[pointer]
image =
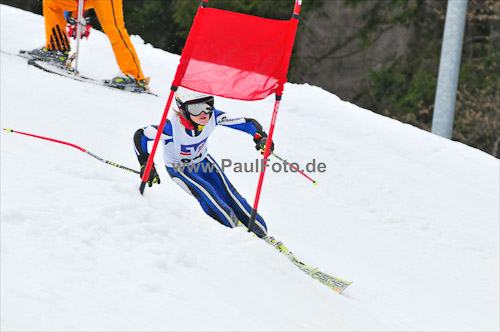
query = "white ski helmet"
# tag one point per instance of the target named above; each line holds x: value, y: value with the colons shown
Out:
x: 193, y: 103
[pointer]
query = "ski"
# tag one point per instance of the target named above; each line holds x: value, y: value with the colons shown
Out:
x: 336, y: 284
x: 69, y: 72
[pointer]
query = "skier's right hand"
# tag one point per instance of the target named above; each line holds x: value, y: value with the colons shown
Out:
x: 153, y: 175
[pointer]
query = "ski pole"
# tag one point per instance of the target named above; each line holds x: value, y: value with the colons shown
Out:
x: 9, y: 130
x: 80, y: 22
x: 295, y: 168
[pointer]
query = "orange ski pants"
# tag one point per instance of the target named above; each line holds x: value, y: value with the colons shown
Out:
x: 110, y: 15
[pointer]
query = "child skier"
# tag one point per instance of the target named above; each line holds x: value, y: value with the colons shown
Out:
x: 184, y: 138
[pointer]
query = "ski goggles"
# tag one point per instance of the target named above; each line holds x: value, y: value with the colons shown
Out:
x: 198, y: 106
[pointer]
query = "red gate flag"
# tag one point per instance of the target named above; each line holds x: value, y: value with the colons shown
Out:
x: 235, y: 55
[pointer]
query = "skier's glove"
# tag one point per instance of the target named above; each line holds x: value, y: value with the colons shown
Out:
x: 260, y: 143
x: 153, y: 174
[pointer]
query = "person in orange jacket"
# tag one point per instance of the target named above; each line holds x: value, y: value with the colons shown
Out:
x: 110, y: 15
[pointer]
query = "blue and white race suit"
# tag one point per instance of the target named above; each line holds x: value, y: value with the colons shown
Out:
x: 185, y: 145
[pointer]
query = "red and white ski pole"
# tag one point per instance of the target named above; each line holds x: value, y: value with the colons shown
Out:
x: 9, y: 130
x: 295, y: 169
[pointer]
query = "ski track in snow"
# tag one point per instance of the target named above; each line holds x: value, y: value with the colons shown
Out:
x: 411, y: 218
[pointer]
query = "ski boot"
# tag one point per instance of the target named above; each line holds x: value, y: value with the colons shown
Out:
x: 54, y: 57
x: 129, y: 83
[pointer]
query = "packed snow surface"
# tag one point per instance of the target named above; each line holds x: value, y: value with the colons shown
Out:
x: 411, y: 218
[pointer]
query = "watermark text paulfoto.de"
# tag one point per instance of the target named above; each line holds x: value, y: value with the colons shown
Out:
x: 254, y: 167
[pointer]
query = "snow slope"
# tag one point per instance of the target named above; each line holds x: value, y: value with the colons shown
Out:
x: 411, y: 218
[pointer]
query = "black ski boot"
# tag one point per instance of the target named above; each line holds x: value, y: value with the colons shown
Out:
x: 129, y: 83
x: 57, y: 58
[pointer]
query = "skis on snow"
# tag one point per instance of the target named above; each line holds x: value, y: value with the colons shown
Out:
x: 69, y: 72
x: 336, y: 284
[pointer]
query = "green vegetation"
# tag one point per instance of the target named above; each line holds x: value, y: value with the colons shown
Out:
x: 166, y: 23
x: 406, y: 89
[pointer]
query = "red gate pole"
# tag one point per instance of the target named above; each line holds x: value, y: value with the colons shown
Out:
x: 149, y: 164
x: 251, y: 223
x: 267, y: 152
x: 181, y: 68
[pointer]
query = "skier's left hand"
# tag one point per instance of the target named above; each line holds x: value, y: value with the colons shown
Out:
x: 260, y: 144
